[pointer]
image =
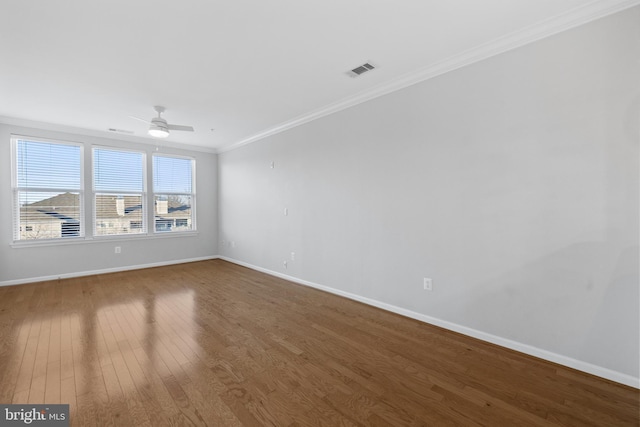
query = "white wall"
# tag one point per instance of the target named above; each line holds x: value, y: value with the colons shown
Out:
x: 23, y: 264
x: 513, y: 183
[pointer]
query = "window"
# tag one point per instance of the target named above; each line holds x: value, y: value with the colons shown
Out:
x: 173, y: 193
x: 49, y: 200
x: 119, y: 192
x: 47, y: 189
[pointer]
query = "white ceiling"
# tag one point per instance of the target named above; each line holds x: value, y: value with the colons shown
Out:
x: 245, y: 68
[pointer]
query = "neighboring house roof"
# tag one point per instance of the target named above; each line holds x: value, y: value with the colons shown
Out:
x: 66, y: 207
x: 106, y: 206
x: 176, y: 210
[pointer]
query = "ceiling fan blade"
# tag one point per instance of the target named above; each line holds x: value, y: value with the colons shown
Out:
x: 179, y: 127
x: 142, y: 120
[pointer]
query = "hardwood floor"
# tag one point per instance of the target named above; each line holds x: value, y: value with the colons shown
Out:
x: 212, y: 343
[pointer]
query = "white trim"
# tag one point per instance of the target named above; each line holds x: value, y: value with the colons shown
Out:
x: 563, y: 22
x: 15, y: 189
x: 484, y: 336
x: 104, y: 134
x: 192, y: 194
x: 115, y: 238
x: 104, y: 271
x: 143, y: 193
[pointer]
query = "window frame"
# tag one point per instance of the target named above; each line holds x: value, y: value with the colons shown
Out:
x: 143, y: 194
x: 192, y: 195
x: 86, y: 201
x: 15, y: 191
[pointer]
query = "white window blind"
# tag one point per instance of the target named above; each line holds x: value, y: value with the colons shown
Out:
x: 173, y: 193
x: 119, y: 192
x: 47, y: 190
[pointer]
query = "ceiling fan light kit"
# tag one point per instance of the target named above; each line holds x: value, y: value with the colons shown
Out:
x: 158, y: 126
x: 158, y: 129
x: 158, y: 133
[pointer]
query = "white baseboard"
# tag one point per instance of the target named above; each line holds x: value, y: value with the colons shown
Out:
x: 103, y: 271
x: 484, y: 336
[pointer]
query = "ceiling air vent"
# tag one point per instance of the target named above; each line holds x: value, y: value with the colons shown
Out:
x: 120, y: 130
x: 360, y: 70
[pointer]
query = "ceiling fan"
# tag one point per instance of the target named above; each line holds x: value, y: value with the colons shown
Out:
x: 159, y: 127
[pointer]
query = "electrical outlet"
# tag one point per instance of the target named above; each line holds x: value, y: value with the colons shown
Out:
x: 286, y: 211
x: 118, y: 249
x: 233, y: 244
x: 428, y: 284
x: 293, y: 256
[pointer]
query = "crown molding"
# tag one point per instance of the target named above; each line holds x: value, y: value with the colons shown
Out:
x: 543, y: 29
x: 26, y: 123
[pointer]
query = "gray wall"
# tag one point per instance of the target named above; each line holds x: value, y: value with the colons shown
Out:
x: 22, y: 264
x: 513, y: 183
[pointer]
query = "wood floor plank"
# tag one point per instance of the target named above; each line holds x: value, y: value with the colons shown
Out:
x: 23, y: 382
x: 68, y: 395
x: 52, y: 387
x: 12, y: 352
x: 212, y: 343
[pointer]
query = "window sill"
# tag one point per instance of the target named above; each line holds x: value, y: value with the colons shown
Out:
x: 101, y: 239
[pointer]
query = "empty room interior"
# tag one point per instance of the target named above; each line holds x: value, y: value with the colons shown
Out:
x: 320, y: 213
